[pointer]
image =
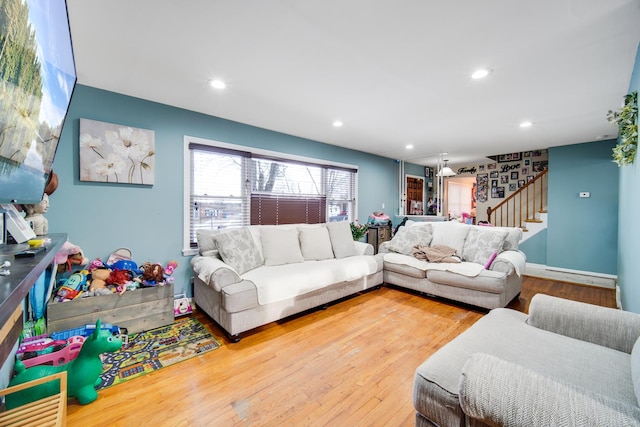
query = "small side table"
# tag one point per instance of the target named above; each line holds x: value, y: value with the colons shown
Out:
x: 377, y: 234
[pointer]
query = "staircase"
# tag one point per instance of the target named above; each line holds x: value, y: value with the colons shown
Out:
x: 526, y: 208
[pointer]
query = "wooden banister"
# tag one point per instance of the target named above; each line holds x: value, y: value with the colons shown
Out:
x: 523, y: 205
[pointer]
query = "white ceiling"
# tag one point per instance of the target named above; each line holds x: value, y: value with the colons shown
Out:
x: 395, y: 72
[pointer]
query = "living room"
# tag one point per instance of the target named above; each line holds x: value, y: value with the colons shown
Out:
x: 110, y: 213
x: 100, y: 217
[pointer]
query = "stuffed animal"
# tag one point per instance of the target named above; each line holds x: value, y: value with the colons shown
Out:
x: 83, y: 372
x: 68, y: 256
x: 99, y: 279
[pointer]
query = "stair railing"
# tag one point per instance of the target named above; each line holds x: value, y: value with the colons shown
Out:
x: 522, y: 206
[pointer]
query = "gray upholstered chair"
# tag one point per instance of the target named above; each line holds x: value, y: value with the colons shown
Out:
x: 566, y: 363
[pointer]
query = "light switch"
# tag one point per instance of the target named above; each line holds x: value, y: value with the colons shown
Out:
x: 584, y: 194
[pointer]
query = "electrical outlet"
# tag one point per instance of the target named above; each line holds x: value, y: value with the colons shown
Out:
x: 584, y: 194
x: 383, y: 206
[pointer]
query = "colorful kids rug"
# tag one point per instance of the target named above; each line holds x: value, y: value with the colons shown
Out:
x: 155, y: 349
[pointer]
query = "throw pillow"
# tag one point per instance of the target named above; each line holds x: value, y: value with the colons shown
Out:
x: 206, y: 244
x: 481, y: 243
x: 341, y: 239
x: 280, y: 246
x: 408, y: 237
x: 514, y: 235
x: 315, y: 243
x: 238, y: 249
x: 450, y: 233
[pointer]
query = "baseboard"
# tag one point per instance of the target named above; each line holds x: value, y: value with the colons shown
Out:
x: 573, y: 276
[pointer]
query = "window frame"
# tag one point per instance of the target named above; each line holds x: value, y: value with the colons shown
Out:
x: 187, y: 175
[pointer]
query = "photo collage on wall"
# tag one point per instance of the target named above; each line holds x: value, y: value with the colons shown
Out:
x: 511, y: 177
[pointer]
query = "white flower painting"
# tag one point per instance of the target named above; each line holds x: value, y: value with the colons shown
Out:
x: 116, y: 153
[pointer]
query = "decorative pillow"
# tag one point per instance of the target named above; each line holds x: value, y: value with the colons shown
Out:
x: 341, y: 239
x: 238, y: 249
x: 280, y: 246
x: 408, y: 237
x: 206, y: 244
x: 481, y: 243
x: 315, y: 243
x: 450, y: 233
x: 514, y: 235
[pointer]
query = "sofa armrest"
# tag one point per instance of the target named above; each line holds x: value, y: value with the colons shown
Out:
x: 363, y: 248
x: 608, y: 327
x: 384, y: 247
x: 498, y: 392
x: 214, y: 272
x: 509, y: 261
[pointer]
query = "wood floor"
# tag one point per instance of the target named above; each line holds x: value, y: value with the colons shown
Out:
x: 351, y: 364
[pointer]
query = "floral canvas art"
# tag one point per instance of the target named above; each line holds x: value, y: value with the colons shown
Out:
x: 116, y: 153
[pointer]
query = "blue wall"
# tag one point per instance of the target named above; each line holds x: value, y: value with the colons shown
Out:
x: 582, y: 232
x: 629, y: 232
x: 101, y: 217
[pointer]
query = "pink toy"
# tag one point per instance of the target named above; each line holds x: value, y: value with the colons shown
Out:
x: 60, y: 357
x: 95, y: 264
x: 68, y: 250
x: 170, y: 268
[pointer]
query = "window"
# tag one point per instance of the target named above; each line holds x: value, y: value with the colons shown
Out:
x: 230, y: 186
x: 459, y: 198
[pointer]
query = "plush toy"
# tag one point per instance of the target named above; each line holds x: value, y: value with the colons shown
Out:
x: 68, y: 256
x: 99, y: 279
x: 95, y: 264
x: 83, y: 372
x: 152, y: 274
x: 168, y: 271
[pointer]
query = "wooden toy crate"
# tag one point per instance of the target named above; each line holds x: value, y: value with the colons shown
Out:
x: 138, y: 310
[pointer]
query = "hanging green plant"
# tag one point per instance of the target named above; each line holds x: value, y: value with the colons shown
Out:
x: 627, y: 121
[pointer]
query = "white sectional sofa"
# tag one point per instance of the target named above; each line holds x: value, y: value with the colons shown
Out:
x: 488, y: 271
x: 250, y: 276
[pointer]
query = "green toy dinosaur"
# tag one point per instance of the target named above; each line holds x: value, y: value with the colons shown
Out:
x: 83, y: 372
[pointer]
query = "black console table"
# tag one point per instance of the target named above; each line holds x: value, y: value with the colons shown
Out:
x: 15, y: 287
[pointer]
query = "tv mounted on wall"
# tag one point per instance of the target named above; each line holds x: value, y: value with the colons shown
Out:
x: 37, y: 78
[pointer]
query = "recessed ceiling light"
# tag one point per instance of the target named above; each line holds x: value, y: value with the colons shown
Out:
x: 218, y: 84
x: 409, y: 146
x: 337, y: 123
x: 526, y: 124
x: 480, y: 74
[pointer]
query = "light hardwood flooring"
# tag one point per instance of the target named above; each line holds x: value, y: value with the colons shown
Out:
x: 351, y: 364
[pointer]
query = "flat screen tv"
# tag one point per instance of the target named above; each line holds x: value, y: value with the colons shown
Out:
x: 37, y: 78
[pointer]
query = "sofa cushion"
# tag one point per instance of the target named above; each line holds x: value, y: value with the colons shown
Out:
x: 450, y: 233
x: 487, y: 281
x: 341, y: 239
x: 315, y: 243
x: 280, y: 246
x: 481, y: 243
x: 411, y: 266
x: 408, y: 237
x: 238, y: 250
x: 206, y: 243
x: 282, y: 282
